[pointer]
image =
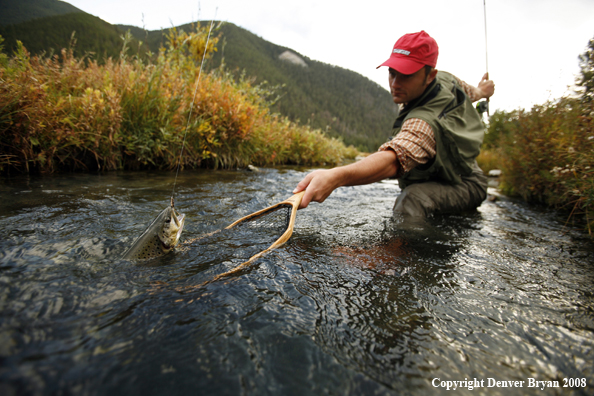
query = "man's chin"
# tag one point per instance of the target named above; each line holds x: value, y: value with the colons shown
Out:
x: 398, y: 98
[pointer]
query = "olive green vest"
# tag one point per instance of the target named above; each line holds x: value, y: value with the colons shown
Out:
x: 457, y: 127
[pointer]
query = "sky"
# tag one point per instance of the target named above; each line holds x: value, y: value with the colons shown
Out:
x: 529, y: 47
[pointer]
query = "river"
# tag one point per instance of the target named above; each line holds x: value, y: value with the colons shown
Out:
x: 358, y: 302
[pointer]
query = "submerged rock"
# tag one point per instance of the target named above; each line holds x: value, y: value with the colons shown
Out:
x: 252, y: 168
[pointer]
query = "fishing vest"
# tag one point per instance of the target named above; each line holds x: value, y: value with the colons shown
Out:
x: 457, y: 127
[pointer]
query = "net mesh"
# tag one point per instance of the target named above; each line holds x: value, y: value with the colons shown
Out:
x: 272, y: 221
x: 258, y: 233
x: 247, y: 237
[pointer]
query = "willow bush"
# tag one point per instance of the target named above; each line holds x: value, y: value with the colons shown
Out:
x: 67, y: 114
x: 547, y: 155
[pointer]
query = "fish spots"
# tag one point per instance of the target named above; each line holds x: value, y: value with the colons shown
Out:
x: 151, y: 249
x: 160, y: 237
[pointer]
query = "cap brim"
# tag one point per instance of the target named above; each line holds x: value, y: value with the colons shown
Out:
x: 402, y: 65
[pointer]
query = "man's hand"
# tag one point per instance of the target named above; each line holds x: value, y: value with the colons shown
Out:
x: 486, y: 87
x: 319, y: 184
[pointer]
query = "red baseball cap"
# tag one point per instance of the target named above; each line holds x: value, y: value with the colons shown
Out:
x: 411, y: 52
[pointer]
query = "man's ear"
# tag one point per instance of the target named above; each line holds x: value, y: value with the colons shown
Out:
x: 432, y: 76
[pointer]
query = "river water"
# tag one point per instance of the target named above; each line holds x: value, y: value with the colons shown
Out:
x: 358, y: 302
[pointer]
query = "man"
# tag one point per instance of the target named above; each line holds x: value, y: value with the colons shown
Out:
x: 438, y: 134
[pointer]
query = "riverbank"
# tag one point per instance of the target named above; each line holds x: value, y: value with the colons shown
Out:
x: 546, y: 157
x: 71, y: 114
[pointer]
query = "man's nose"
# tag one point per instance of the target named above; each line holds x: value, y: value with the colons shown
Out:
x: 395, y: 81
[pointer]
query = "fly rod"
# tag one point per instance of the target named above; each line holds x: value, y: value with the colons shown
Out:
x: 486, y: 51
x: 484, y: 105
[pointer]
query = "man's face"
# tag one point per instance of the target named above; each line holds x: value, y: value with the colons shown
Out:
x: 407, y: 87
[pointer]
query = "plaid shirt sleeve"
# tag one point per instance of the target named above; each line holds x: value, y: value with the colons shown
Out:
x: 414, y: 145
x: 471, y: 91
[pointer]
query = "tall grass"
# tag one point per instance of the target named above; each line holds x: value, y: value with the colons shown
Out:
x: 547, y: 155
x: 67, y: 114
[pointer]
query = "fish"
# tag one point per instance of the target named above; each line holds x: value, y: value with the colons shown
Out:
x: 160, y: 237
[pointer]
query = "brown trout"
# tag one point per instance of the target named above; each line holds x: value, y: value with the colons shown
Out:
x: 160, y: 237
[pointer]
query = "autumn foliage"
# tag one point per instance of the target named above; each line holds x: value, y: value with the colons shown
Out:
x: 64, y: 113
x: 546, y: 156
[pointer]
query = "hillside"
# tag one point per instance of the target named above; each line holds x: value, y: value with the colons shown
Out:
x: 338, y: 101
x: 329, y: 97
x: 17, y: 11
x: 51, y: 34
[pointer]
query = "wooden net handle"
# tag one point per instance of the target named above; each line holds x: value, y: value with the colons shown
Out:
x: 294, y: 202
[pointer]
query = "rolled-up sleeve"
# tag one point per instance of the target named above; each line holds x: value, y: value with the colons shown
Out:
x: 414, y: 145
x: 471, y: 91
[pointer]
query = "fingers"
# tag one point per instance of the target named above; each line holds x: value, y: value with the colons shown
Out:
x: 313, y: 194
x: 486, y: 87
x: 305, y: 200
x: 317, y: 187
x: 301, y: 186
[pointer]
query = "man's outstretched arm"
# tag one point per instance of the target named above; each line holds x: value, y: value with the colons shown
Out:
x: 319, y: 184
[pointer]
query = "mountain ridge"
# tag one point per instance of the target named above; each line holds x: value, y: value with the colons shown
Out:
x: 340, y: 102
x: 14, y: 12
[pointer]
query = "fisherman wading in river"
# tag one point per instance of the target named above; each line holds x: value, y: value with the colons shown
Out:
x: 437, y: 137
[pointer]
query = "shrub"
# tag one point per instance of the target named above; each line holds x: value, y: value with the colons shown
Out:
x: 67, y: 113
x: 547, y: 156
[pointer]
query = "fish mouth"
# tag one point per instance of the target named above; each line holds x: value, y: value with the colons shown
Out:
x: 166, y: 237
x: 180, y: 222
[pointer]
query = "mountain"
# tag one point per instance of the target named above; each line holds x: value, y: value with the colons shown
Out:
x: 50, y: 34
x: 336, y: 100
x: 331, y: 98
x: 18, y: 11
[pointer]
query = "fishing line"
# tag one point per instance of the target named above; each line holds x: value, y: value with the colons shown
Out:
x: 192, y: 106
